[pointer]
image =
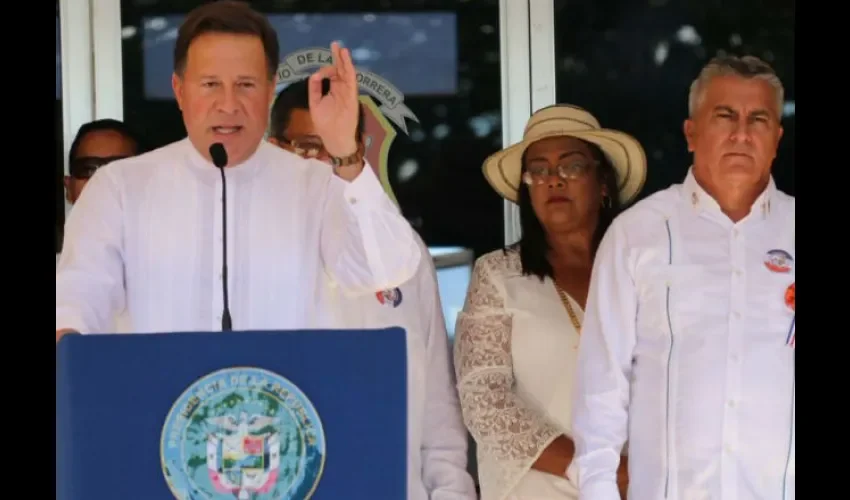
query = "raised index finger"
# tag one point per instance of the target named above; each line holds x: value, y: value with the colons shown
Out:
x: 336, y: 56
x: 346, y: 69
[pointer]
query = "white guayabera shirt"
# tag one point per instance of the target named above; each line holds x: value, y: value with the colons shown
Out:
x: 687, y: 350
x: 436, y: 436
x: 146, y: 235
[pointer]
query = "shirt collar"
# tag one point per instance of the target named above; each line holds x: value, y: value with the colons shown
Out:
x: 207, y: 171
x: 700, y: 201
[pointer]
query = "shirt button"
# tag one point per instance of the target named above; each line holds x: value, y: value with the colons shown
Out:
x: 734, y: 358
x: 731, y: 403
x: 727, y: 448
x: 737, y: 315
x: 353, y: 201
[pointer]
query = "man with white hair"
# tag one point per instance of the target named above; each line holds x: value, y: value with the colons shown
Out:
x: 687, y: 350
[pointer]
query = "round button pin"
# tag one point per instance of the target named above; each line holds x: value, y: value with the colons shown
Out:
x: 789, y: 297
x: 778, y: 261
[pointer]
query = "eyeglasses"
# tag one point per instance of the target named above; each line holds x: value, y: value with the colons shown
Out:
x: 308, y: 147
x: 84, y: 167
x: 574, y: 170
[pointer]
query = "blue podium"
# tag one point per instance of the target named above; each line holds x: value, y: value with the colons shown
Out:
x: 318, y: 414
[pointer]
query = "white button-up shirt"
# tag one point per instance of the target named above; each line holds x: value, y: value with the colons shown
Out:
x: 437, y: 439
x: 147, y: 234
x: 685, y: 352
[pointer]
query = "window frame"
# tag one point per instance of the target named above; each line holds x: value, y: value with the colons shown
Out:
x: 78, y: 96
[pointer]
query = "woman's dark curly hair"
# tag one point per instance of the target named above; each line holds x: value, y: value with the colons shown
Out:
x: 533, y: 247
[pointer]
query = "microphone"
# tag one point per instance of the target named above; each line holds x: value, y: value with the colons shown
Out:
x: 219, y: 158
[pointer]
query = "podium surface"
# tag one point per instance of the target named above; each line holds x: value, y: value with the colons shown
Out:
x: 318, y: 414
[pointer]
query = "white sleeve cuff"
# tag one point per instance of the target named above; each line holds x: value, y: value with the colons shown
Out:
x: 66, y: 319
x: 365, y: 190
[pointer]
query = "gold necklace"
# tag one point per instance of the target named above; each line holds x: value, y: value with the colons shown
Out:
x: 566, y: 301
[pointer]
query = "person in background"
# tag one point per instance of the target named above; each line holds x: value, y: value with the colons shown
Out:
x: 516, y: 338
x: 688, y: 346
x: 437, y: 440
x: 96, y: 144
x: 291, y: 128
x: 147, y: 231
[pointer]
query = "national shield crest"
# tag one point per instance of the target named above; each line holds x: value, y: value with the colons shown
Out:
x: 241, y: 457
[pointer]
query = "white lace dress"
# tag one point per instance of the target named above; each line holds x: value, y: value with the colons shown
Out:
x: 515, y: 352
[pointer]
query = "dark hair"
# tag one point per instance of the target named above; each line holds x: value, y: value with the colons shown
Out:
x: 533, y: 246
x: 226, y: 16
x: 295, y: 96
x: 105, y: 124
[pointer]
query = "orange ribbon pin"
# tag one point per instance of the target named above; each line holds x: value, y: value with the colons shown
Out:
x: 789, y: 297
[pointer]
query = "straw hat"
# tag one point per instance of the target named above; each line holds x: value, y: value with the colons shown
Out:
x: 503, y: 169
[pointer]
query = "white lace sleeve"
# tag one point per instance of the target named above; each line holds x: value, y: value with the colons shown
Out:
x: 509, y: 435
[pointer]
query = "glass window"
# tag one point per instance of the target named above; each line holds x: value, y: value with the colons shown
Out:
x: 454, y: 267
x: 632, y: 63
x: 60, y: 149
x: 444, y: 59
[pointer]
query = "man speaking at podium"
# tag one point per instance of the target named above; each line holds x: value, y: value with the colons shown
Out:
x: 223, y: 230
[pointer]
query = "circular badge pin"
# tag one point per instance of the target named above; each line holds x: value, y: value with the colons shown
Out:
x: 789, y: 297
x: 242, y: 433
x: 389, y: 297
x: 778, y: 261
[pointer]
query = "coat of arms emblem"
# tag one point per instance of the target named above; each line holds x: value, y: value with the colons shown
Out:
x: 383, y: 106
x: 245, y: 434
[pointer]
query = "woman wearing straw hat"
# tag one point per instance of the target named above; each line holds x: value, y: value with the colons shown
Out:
x: 518, y: 334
